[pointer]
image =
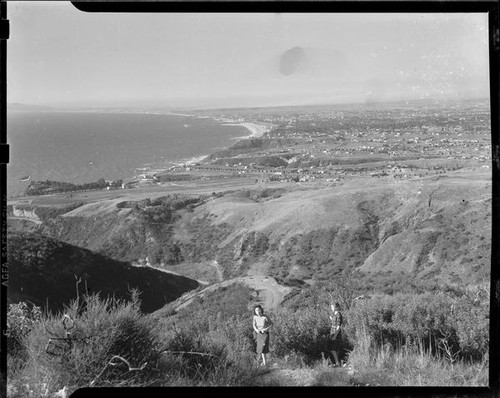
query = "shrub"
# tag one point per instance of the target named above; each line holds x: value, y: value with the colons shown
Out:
x: 305, y: 332
x: 215, y: 350
x: 374, y: 318
x: 112, y: 327
x: 471, y: 314
x: 21, y: 319
x: 211, y: 343
x: 454, y: 327
x: 99, y: 332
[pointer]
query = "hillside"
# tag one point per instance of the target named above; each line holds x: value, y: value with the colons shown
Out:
x: 420, y: 248
x: 435, y: 229
x: 45, y: 271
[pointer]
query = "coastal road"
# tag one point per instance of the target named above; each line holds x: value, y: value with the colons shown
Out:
x: 151, y: 191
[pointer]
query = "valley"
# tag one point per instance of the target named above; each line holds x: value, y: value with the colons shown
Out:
x: 169, y: 173
x: 389, y: 218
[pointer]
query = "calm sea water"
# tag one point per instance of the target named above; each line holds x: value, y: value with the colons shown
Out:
x: 83, y: 147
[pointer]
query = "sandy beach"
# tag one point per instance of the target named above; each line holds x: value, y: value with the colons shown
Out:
x: 256, y: 130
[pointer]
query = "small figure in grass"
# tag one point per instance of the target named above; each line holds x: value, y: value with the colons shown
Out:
x: 336, y: 332
x: 261, y: 324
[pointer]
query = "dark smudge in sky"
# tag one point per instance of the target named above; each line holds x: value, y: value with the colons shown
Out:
x: 291, y: 60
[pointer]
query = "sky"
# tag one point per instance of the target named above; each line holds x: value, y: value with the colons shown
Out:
x: 60, y: 56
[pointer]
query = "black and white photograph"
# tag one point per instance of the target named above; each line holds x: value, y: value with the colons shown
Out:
x: 247, y: 199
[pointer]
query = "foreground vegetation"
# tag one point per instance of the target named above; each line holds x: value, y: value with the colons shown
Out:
x: 428, y: 339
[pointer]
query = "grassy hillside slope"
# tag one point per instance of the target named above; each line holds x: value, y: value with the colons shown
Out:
x: 46, y: 271
x: 388, y: 230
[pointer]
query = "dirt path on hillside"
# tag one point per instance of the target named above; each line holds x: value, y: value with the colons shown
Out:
x: 269, y: 293
x: 215, y: 264
x: 258, y: 269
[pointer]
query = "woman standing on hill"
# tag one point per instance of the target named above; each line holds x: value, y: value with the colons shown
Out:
x: 336, y: 332
x: 261, y: 325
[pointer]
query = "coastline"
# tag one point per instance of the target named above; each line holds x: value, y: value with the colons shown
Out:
x: 253, y: 130
x: 256, y: 130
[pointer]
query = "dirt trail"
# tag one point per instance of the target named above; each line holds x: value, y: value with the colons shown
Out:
x: 269, y: 293
x: 215, y: 264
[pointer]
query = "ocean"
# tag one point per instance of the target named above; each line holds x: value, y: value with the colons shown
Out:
x: 80, y: 147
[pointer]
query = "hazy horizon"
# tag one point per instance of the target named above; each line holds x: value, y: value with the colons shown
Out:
x: 60, y: 56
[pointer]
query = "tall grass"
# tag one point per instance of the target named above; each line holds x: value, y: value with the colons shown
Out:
x: 111, y: 343
x: 455, y: 328
x: 429, y: 339
x: 216, y: 352
x: 403, y: 340
x: 411, y: 365
x: 105, y: 329
x: 211, y: 343
x: 305, y: 333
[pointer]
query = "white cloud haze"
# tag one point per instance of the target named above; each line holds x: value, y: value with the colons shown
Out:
x: 60, y: 55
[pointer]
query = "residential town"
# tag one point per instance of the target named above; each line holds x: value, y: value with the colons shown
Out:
x: 332, y: 144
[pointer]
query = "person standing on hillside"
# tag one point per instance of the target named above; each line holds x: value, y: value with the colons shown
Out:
x: 336, y: 332
x: 261, y: 324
